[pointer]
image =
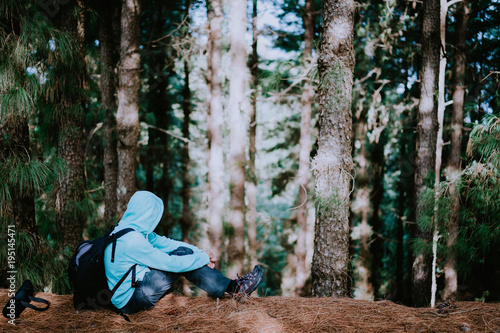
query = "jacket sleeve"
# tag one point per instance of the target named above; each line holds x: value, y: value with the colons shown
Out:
x: 166, y: 245
x: 143, y: 252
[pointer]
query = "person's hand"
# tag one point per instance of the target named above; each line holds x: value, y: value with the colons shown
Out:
x: 213, y: 258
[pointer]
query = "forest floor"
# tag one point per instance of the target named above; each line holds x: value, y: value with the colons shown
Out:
x: 175, y: 313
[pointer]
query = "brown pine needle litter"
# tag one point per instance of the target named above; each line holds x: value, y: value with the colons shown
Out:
x: 175, y: 313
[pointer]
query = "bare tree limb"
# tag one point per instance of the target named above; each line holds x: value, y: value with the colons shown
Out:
x: 168, y: 132
x: 491, y: 73
x: 451, y: 3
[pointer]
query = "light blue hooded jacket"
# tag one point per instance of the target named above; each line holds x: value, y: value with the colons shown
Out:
x: 145, y: 248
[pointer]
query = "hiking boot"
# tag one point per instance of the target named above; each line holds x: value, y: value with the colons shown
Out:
x: 248, y: 283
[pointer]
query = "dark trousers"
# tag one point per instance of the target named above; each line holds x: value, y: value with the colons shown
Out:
x: 155, y: 285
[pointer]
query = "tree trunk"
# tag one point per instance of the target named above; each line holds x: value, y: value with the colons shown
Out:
x: 215, y: 123
x: 439, y: 141
x: 362, y: 231
x: 161, y: 107
x: 238, y: 111
x: 377, y: 194
x: 109, y: 58
x: 402, y: 188
x: 304, y: 153
x: 333, y: 163
x: 70, y: 218
x: 426, y: 138
x: 127, y: 117
x: 186, y: 220
x: 450, y: 267
x: 252, y: 181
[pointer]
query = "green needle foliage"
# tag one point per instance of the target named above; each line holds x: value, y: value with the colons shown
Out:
x: 29, y: 48
x: 479, y: 185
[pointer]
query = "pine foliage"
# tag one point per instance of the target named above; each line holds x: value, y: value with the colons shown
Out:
x: 479, y: 185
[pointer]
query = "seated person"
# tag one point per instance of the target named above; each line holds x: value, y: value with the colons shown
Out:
x: 161, y: 261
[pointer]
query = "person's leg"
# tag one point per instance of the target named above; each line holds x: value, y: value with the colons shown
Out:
x: 148, y: 292
x: 209, y: 279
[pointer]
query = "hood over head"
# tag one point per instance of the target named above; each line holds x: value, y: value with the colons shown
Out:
x: 144, y: 211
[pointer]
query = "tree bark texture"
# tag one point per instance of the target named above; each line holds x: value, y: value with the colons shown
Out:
x: 127, y: 117
x: 251, y: 214
x: 238, y: 112
x: 71, y: 183
x: 453, y: 168
x: 215, y: 126
x: 109, y: 59
x: 333, y: 163
x: 304, y: 153
x: 426, y: 137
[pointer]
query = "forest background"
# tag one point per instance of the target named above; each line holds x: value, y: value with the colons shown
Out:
x: 216, y: 107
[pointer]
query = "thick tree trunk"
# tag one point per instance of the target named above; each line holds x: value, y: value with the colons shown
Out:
x: 109, y: 59
x: 70, y: 218
x: 238, y: 112
x: 127, y: 117
x: 426, y: 137
x: 215, y: 123
x: 252, y: 181
x: 304, y: 153
x: 450, y: 267
x: 333, y: 163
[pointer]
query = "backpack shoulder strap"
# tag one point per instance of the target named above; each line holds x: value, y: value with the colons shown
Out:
x: 123, y: 279
x: 122, y: 232
x: 114, y: 237
x: 131, y: 269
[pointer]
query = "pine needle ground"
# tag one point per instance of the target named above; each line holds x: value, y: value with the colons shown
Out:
x: 175, y: 313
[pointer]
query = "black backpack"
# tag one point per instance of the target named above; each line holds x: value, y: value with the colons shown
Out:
x: 87, y: 275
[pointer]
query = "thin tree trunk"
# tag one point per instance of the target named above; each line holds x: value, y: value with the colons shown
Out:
x: 426, y: 137
x: 441, y: 91
x: 127, y: 117
x: 439, y: 142
x: 400, y: 293
x: 252, y: 181
x: 238, y: 111
x: 362, y: 231
x: 186, y: 220
x: 376, y: 195
x: 304, y: 153
x: 450, y: 267
x: 162, y: 107
x: 215, y: 123
x: 333, y: 163
x: 70, y: 218
x: 109, y: 57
